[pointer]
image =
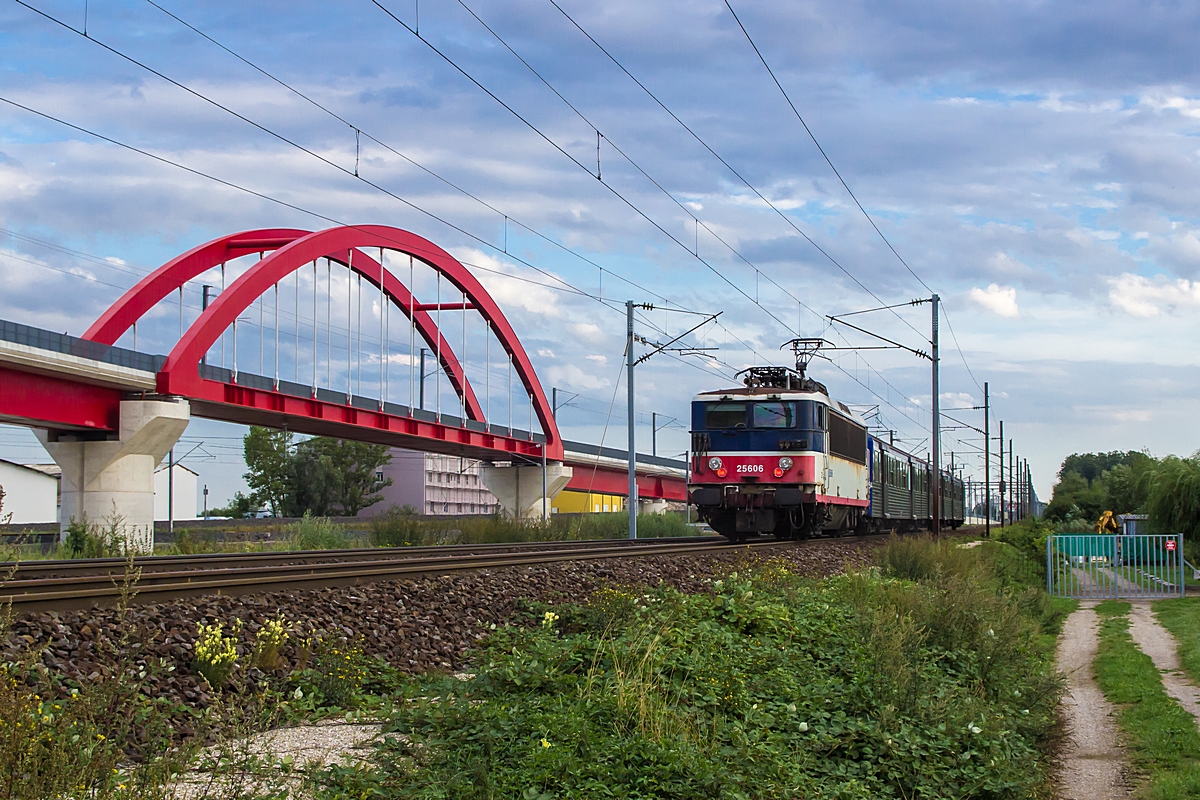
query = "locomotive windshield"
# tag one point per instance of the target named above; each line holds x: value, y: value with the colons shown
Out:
x: 774, y: 415
x: 761, y: 415
x: 724, y: 416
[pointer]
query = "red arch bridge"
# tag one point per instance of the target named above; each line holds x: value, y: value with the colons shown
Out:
x: 108, y: 415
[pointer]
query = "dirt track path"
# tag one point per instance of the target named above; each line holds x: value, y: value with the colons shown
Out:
x: 1094, y: 761
x: 1158, y: 643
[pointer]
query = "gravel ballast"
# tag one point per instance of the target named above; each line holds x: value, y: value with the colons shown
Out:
x: 416, y: 625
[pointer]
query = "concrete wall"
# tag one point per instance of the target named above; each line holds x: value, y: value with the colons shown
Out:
x: 30, y: 496
x: 185, y: 493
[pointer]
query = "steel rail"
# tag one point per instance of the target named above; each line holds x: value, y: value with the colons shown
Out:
x: 86, y: 567
x: 63, y: 594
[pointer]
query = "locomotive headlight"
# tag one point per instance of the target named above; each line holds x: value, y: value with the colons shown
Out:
x: 714, y: 463
x: 785, y: 463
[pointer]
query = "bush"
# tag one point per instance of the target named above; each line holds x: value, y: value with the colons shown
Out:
x: 188, y: 543
x: 315, y: 533
x: 399, y: 526
x: 105, y: 736
x: 339, y: 668
x: 88, y: 540
x: 767, y: 686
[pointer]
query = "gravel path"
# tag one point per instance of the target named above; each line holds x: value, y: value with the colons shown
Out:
x: 1093, y: 767
x: 1158, y: 643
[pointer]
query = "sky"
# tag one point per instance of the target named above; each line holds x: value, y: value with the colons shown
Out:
x: 1035, y: 164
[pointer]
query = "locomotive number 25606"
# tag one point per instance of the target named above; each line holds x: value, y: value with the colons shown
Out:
x: 750, y: 468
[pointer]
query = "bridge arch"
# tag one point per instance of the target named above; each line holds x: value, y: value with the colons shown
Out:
x: 181, y: 373
x: 155, y: 287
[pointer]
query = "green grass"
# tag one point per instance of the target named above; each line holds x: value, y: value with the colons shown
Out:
x: 1162, y: 736
x: 1182, y: 618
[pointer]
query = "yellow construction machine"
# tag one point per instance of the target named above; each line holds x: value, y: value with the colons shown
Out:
x: 1107, y: 523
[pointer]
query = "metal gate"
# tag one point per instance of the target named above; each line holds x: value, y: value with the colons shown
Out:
x: 1115, y: 565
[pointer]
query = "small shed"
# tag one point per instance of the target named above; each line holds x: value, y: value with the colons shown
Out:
x: 1134, y: 524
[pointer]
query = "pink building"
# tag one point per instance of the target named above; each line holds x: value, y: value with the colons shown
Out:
x: 434, y: 484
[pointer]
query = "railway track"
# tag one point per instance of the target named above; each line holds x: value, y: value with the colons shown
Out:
x: 70, y: 585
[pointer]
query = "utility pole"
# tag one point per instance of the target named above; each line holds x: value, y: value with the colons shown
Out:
x: 633, y: 509
x: 1012, y: 478
x: 554, y: 402
x: 1028, y: 490
x: 937, y: 429
x: 205, y: 293
x: 987, y: 462
x: 206, y: 501
x: 170, y: 497
x: 423, y: 352
x: 653, y: 433
x: 1002, y: 484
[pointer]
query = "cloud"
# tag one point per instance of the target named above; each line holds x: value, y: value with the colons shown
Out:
x: 545, y: 352
x: 1184, y: 105
x: 997, y: 299
x: 598, y: 359
x: 574, y: 377
x: 512, y: 287
x: 1142, y: 297
x: 587, y: 330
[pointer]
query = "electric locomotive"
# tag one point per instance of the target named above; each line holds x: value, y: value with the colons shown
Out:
x: 777, y: 455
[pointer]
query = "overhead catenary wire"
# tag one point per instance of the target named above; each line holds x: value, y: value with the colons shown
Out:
x: 642, y: 171
x: 842, y: 180
x: 373, y: 185
x: 263, y: 196
x: 308, y: 151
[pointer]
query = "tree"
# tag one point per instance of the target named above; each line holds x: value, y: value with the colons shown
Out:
x: 315, y: 484
x: 321, y: 476
x: 333, y: 474
x: 1173, y: 496
x: 240, y: 506
x: 1091, y: 466
x: 357, y: 465
x: 268, y: 454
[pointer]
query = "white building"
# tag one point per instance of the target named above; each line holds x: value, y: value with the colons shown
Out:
x: 30, y: 494
x: 184, y: 493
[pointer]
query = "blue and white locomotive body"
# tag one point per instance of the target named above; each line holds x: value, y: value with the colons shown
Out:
x: 779, y: 456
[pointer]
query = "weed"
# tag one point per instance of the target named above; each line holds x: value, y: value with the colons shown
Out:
x: 88, y: 540
x: 339, y: 668
x: 216, y: 654
x: 103, y: 737
x: 316, y: 533
x: 269, y: 641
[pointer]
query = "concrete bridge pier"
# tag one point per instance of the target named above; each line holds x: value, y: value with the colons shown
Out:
x: 519, y: 487
x: 110, y: 482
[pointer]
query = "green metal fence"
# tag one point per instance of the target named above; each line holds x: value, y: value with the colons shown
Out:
x: 1115, y: 566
